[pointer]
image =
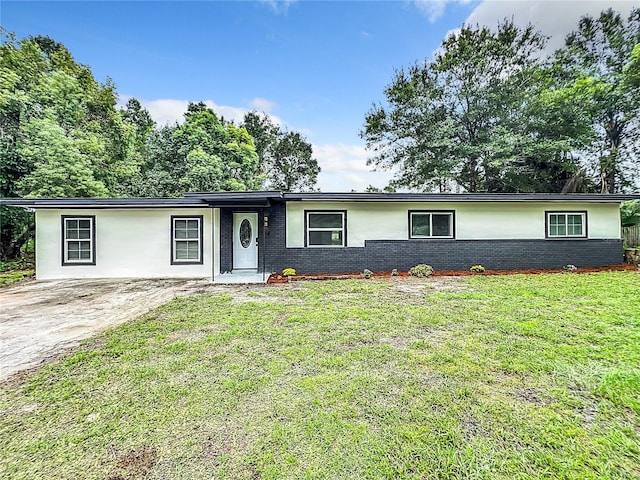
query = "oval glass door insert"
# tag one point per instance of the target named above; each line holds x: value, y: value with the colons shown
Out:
x: 245, y: 233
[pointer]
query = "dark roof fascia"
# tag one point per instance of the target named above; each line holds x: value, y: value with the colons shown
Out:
x: 461, y: 197
x: 238, y: 199
x: 82, y: 203
x: 236, y: 195
x: 266, y: 198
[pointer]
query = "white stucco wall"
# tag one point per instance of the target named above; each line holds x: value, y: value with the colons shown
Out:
x: 473, y: 221
x: 129, y: 243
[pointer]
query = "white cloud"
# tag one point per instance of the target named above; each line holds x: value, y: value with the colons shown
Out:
x: 344, y: 168
x: 434, y: 9
x: 554, y: 18
x: 262, y: 104
x: 278, y: 6
x: 170, y: 110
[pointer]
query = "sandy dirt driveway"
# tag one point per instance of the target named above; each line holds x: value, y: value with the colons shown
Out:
x: 39, y: 320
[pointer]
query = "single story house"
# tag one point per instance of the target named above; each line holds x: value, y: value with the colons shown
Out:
x: 204, y: 235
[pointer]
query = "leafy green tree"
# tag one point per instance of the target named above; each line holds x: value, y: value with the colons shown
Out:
x: 204, y: 153
x: 291, y: 164
x: 16, y: 78
x: 61, y: 169
x: 60, y: 134
x: 204, y: 172
x: 630, y: 213
x: 160, y: 169
x: 203, y: 130
x: 387, y: 189
x: 142, y: 126
x: 632, y: 69
x: 554, y: 128
x: 263, y: 131
x: 286, y: 158
x: 465, y: 118
x: 594, y: 60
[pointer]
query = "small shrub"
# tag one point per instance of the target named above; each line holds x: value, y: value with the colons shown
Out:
x: 394, y: 272
x: 477, y: 269
x: 421, y: 271
x: 367, y: 273
x: 570, y: 268
x: 288, y: 272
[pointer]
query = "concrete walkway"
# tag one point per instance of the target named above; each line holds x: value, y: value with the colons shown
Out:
x: 38, y: 320
x: 241, y: 276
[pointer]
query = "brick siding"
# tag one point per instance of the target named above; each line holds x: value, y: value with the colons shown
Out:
x: 385, y: 255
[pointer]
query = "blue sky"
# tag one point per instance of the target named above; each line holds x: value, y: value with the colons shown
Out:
x: 316, y: 67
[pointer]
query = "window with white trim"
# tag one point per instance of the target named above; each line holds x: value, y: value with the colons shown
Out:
x: 186, y: 240
x: 566, y: 224
x: 326, y: 229
x: 78, y: 240
x: 431, y: 224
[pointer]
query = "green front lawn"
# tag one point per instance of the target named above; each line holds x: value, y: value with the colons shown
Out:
x: 479, y: 377
x: 14, y: 271
x: 15, y: 276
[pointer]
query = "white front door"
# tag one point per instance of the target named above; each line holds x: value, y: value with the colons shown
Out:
x: 245, y: 240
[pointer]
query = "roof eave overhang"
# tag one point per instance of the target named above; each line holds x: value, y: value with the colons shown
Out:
x: 266, y: 199
x: 101, y: 203
x: 238, y: 199
x: 456, y: 198
x: 238, y: 204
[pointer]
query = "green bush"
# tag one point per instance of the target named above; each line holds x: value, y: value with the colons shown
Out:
x: 421, y: 271
x: 367, y: 273
x: 477, y: 269
x: 288, y: 272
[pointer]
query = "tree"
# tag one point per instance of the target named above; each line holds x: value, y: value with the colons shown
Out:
x: 630, y: 213
x: 135, y: 115
x: 60, y: 133
x: 594, y: 60
x: 387, y: 189
x: 286, y: 158
x: 204, y: 172
x: 160, y: 169
x: 203, y: 130
x: 61, y: 170
x: 263, y: 131
x: 632, y: 69
x: 465, y: 118
x: 292, y: 166
x: 204, y: 153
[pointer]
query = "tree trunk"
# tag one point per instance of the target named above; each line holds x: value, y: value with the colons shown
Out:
x: 609, y: 163
x: 11, y: 249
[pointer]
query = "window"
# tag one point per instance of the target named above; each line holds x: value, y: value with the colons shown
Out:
x: 567, y: 224
x: 186, y: 240
x: 430, y: 224
x: 78, y: 240
x: 326, y: 229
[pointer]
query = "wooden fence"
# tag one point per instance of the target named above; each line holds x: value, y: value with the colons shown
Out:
x: 631, y: 235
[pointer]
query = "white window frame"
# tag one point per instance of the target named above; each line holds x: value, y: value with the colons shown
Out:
x: 342, y: 229
x: 450, y: 213
x: 566, y: 214
x: 175, y: 241
x: 66, y: 261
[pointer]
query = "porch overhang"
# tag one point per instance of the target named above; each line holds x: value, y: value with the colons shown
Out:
x: 238, y: 199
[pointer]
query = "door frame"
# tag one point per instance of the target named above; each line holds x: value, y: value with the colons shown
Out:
x: 256, y: 235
